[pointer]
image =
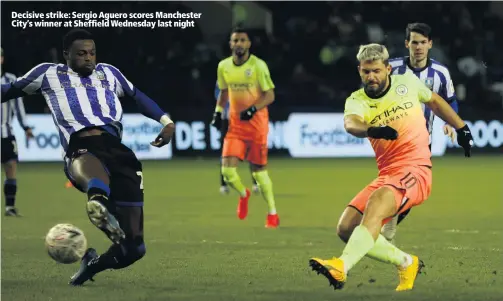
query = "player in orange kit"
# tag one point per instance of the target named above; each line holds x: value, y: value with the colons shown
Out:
x: 245, y: 81
x: 388, y: 111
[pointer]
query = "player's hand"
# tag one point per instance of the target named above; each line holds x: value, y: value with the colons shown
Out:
x: 465, y: 139
x: 29, y: 133
x: 382, y: 132
x: 217, y: 120
x: 449, y: 132
x: 164, y: 136
x: 248, y: 113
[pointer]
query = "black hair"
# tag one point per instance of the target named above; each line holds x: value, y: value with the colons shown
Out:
x: 239, y: 29
x: 421, y: 28
x: 75, y: 34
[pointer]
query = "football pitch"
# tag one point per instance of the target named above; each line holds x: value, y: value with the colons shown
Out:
x: 197, y: 249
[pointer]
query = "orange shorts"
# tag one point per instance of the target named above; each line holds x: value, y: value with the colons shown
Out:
x: 253, y: 152
x: 411, y: 185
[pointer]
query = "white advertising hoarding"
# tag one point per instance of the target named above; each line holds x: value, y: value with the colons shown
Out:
x: 138, y: 132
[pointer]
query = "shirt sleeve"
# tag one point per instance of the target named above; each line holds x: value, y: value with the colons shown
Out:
x: 31, y: 82
x: 221, y: 84
x: 264, y: 77
x: 354, y: 106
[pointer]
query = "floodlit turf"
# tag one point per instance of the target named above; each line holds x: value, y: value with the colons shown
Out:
x: 197, y: 249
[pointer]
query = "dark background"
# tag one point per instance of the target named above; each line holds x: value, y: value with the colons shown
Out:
x: 177, y: 68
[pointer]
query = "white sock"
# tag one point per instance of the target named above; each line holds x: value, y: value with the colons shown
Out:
x: 406, y: 263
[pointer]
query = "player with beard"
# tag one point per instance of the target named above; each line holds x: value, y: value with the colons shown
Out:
x: 388, y: 111
x: 245, y: 82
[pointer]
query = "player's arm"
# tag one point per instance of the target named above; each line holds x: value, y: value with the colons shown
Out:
x: 266, y: 86
x: 21, y: 117
x: 147, y: 107
x: 443, y: 110
x: 356, y: 126
x: 30, y: 83
x: 354, y: 122
x: 222, y: 97
x: 447, y: 92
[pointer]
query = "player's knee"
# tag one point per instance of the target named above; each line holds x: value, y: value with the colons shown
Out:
x: 344, y: 231
x: 380, y: 203
x: 9, y: 166
x: 135, y: 250
x: 229, y: 173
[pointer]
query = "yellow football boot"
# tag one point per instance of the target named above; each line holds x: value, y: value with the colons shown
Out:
x: 408, y: 275
x: 332, y: 269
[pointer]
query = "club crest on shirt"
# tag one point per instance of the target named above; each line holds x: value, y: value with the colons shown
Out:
x: 429, y: 82
x: 401, y: 90
x: 248, y: 72
x: 100, y: 75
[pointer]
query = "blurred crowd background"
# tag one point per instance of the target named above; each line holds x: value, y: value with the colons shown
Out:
x: 310, y: 47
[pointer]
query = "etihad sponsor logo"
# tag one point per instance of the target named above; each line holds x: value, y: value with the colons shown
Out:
x: 241, y: 86
x: 393, y: 114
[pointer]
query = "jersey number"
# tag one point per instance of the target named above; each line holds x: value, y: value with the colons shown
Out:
x: 140, y: 174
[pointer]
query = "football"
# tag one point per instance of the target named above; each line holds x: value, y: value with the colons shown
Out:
x: 65, y: 243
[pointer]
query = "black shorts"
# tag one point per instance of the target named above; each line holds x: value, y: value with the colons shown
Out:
x: 9, y: 149
x: 120, y: 162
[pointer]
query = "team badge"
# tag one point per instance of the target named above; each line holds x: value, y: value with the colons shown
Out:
x: 248, y: 72
x: 100, y: 75
x: 401, y: 90
x: 429, y: 82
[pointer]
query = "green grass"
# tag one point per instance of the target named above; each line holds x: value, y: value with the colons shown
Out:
x: 197, y: 249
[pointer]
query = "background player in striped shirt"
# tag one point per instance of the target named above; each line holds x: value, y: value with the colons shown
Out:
x: 434, y: 75
x: 224, y: 189
x: 9, y: 145
x: 387, y: 111
x: 84, y: 100
x: 244, y: 81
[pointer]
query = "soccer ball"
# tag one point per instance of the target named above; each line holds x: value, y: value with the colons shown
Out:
x: 65, y: 243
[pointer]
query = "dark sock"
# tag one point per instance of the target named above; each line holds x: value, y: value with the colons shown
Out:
x: 119, y: 256
x: 10, y: 189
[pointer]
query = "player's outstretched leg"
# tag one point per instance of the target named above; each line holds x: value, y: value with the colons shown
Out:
x: 10, y: 188
x: 366, y: 240
x: 118, y: 256
x: 229, y: 171
x: 91, y: 177
x: 255, y: 188
x: 264, y: 182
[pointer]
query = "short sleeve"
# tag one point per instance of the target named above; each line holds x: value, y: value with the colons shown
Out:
x: 354, y: 106
x: 221, y: 84
x: 264, y: 77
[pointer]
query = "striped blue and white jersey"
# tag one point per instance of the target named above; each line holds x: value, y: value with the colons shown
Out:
x: 81, y: 102
x: 436, y: 76
x: 11, y: 108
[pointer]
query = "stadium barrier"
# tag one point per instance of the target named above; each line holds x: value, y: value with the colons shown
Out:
x: 299, y: 135
x: 138, y: 132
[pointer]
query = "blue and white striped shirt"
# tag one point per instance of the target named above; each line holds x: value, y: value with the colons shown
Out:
x: 436, y: 76
x: 10, y: 108
x: 81, y: 102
